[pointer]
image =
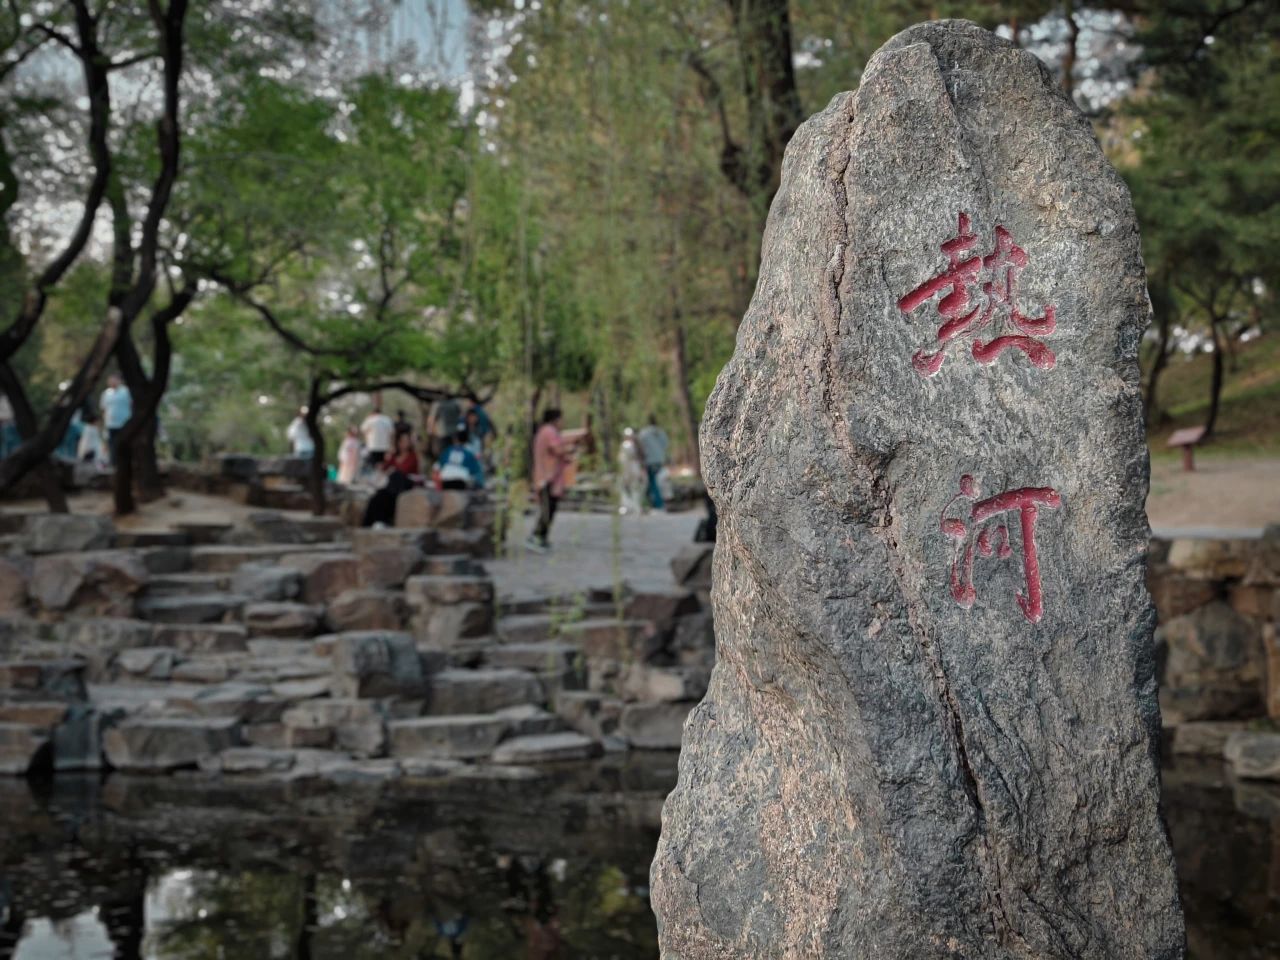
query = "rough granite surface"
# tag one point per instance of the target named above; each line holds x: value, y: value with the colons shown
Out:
x: 888, y: 765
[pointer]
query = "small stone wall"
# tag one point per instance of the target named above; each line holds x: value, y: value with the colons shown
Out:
x: 1218, y: 605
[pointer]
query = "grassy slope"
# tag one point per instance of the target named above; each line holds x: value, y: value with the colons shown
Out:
x: 1249, y: 419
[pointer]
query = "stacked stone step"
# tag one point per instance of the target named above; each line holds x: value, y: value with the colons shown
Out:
x: 635, y: 665
x: 300, y: 658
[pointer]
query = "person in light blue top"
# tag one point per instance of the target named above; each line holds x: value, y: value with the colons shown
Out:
x: 117, y: 408
x: 459, y: 468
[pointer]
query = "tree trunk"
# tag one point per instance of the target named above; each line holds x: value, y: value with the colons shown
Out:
x: 25, y: 420
x: 318, y: 476
x: 148, y: 479
x: 1069, y: 55
x: 1215, y: 385
x: 684, y: 397
x: 1158, y: 364
x: 763, y: 30
x: 122, y: 479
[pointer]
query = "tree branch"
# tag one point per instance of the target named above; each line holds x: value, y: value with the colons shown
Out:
x: 99, y: 93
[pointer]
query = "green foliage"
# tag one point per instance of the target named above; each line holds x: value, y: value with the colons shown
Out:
x: 1206, y: 174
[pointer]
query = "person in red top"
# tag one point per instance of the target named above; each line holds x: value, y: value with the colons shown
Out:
x: 401, y: 466
x: 403, y: 458
x: 551, y: 454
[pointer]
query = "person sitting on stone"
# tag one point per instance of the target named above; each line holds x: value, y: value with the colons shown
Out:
x: 458, y: 466
x: 403, y: 458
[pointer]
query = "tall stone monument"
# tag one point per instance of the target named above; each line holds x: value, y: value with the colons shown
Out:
x: 932, y: 729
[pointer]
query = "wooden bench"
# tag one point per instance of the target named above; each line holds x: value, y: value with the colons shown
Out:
x: 1186, y: 438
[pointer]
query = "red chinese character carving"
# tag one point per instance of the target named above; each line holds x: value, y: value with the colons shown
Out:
x: 997, y: 275
x: 974, y: 533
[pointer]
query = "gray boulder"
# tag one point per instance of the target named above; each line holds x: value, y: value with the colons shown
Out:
x: 367, y: 610
x: 459, y: 737
x: 1212, y: 665
x: 14, y: 574
x: 283, y: 619
x: 263, y: 581
x: 100, y: 583
x: 931, y: 731
x: 156, y: 744
x: 376, y: 663
x: 1254, y: 756
x: 23, y: 747
x: 67, y: 533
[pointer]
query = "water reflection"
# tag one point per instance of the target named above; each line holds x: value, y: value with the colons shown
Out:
x: 184, y: 869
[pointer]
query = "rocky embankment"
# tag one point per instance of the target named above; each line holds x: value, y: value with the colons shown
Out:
x: 298, y: 648
x: 1218, y: 655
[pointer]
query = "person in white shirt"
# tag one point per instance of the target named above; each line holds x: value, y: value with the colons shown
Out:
x: 349, y: 457
x: 631, y: 474
x: 379, y: 433
x: 91, y: 448
x: 300, y: 437
x: 117, y: 408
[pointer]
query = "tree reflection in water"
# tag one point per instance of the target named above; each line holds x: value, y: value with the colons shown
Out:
x: 182, y: 869
x: 200, y: 870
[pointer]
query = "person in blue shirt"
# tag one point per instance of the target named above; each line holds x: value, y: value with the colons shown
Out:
x: 117, y: 408
x: 459, y: 467
x: 481, y: 427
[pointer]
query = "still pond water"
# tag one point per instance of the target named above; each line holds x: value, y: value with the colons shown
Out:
x: 182, y: 869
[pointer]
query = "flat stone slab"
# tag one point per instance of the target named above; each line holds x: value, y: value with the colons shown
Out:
x: 1254, y: 756
x: 547, y: 748
x: 427, y: 590
x: 203, y: 637
x: 653, y: 726
x: 528, y: 720
x: 527, y: 628
x: 547, y: 655
x: 33, y: 713
x: 480, y: 691
x: 227, y: 559
x: 283, y: 619
x: 156, y: 744
x: 1204, y: 739
x: 625, y: 640
x: 190, y: 608
x: 458, y: 737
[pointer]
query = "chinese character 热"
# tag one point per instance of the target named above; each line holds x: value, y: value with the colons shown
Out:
x: 965, y: 310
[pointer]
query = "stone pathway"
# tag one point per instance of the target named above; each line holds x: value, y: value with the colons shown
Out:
x: 594, y: 551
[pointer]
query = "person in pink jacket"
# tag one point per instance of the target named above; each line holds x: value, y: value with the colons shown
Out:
x: 551, y: 455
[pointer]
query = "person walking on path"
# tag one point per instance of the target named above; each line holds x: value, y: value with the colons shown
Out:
x: 300, y: 441
x: 653, y: 448
x: 551, y: 454
x: 630, y: 473
x: 349, y: 457
x: 117, y: 407
x: 379, y: 432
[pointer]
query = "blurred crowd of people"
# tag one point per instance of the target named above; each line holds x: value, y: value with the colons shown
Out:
x: 92, y: 436
x: 392, y: 456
